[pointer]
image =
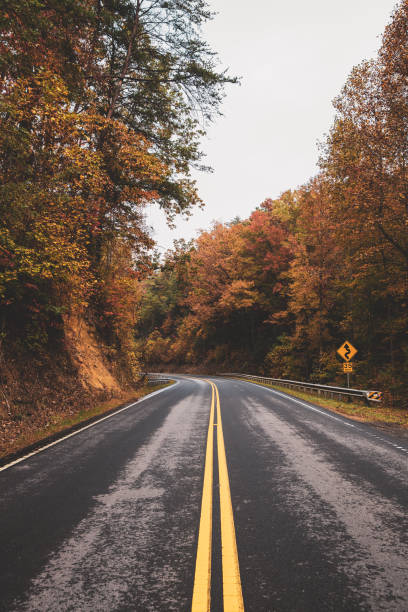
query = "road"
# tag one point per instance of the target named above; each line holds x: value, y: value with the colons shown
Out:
x: 228, y: 493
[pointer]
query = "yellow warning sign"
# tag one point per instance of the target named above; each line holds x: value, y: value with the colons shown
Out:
x: 347, y: 351
x: 347, y: 367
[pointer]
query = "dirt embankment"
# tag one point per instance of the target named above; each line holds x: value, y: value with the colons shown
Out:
x: 87, y: 357
x: 39, y: 391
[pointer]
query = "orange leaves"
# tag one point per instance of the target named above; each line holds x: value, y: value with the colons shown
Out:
x: 216, y: 273
x: 234, y: 276
x: 70, y: 181
x: 324, y: 262
x: 237, y: 294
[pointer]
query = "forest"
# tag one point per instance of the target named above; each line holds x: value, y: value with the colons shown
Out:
x: 279, y: 292
x: 103, y: 105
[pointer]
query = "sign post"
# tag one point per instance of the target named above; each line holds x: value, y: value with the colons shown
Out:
x: 347, y: 369
x: 347, y: 352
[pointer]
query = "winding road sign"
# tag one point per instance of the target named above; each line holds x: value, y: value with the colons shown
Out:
x: 347, y: 351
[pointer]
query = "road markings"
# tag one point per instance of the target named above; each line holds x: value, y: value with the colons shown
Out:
x: 231, y: 580
x: 202, y: 577
x: 330, y: 416
x: 78, y: 431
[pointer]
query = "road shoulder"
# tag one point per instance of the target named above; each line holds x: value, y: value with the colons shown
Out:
x: 34, y: 440
x: 390, y: 420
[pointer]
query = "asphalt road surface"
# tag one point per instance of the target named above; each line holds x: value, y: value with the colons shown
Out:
x: 202, y: 496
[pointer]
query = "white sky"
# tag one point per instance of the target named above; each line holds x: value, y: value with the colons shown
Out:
x: 293, y: 57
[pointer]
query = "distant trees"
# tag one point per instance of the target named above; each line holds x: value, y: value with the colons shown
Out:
x: 101, y: 110
x: 232, y: 282
x: 281, y: 290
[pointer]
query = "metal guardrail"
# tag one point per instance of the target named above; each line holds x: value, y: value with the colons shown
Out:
x: 158, y: 379
x: 325, y: 390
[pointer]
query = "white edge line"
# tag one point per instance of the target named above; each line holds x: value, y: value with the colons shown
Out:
x: 330, y: 416
x: 293, y: 399
x: 74, y: 433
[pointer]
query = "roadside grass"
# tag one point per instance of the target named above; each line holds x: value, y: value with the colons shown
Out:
x: 375, y: 413
x: 60, y: 423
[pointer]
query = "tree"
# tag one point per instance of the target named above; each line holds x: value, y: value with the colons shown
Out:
x: 152, y: 71
x: 315, y: 276
x: 231, y: 282
x: 54, y: 183
x: 365, y: 165
x: 99, y: 111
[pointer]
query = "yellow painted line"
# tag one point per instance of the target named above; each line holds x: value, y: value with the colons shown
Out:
x: 202, y: 577
x: 231, y: 579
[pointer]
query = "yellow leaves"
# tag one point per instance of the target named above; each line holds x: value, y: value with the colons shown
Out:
x: 91, y: 179
x: 238, y: 295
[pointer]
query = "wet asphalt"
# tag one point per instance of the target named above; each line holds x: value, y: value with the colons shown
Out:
x: 108, y: 519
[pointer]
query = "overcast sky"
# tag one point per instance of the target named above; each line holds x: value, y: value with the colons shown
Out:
x: 293, y: 57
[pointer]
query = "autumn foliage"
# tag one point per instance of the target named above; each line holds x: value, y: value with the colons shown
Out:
x: 101, y: 110
x: 280, y: 291
x: 97, y: 119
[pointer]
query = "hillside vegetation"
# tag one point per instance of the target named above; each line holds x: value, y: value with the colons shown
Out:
x: 101, y: 110
x: 279, y: 292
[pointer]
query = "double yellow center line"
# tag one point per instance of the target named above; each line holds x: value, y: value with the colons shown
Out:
x: 231, y: 581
